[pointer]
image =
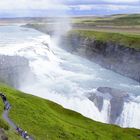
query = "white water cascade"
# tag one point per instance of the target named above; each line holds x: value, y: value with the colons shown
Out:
x: 66, y: 78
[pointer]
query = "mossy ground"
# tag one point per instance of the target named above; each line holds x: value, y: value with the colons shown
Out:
x: 46, y: 120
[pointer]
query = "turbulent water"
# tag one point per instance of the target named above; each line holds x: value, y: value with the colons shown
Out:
x: 66, y: 78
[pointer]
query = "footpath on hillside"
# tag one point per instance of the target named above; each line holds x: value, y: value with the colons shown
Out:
x: 7, y: 108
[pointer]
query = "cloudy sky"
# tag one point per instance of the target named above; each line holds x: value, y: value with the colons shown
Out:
x: 36, y: 8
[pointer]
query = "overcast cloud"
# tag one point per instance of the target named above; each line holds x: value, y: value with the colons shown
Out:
x: 72, y: 7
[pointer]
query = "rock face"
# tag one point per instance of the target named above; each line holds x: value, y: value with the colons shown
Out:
x: 118, y: 58
x: 116, y: 98
x: 13, y: 69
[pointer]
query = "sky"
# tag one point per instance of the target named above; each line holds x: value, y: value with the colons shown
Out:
x: 42, y: 8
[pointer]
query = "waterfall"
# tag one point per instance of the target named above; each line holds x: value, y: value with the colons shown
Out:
x: 130, y: 116
x: 66, y: 78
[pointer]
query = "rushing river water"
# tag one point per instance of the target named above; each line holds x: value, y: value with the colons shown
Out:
x: 66, y: 78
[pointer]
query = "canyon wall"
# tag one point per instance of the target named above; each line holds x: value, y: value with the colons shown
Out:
x: 110, y: 55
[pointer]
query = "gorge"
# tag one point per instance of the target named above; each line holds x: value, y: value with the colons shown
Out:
x: 71, y: 80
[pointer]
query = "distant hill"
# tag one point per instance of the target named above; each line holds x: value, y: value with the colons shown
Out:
x: 113, y: 23
x: 121, y: 20
x: 113, y: 20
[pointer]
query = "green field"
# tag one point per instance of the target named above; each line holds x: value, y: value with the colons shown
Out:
x: 114, y: 23
x: 46, y: 120
x: 115, y: 20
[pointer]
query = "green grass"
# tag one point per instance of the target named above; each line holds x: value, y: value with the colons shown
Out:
x: 127, y: 40
x: 46, y: 120
x: 114, y: 20
x: 129, y: 20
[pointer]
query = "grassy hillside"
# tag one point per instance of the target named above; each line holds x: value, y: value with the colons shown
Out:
x: 127, y: 20
x: 114, y: 23
x: 128, y: 40
x: 46, y: 120
x: 114, y: 20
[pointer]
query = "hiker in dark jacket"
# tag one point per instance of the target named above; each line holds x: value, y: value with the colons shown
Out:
x: 7, y: 105
x: 3, y: 97
x: 19, y: 130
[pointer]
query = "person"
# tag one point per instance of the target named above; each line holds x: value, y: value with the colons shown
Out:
x: 6, y: 103
x: 3, y: 97
x: 19, y: 130
x: 8, y: 106
x: 25, y: 135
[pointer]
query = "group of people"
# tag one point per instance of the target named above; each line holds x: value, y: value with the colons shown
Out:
x: 7, y: 105
x: 22, y: 133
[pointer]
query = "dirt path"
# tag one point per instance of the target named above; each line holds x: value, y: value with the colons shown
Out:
x: 7, y: 119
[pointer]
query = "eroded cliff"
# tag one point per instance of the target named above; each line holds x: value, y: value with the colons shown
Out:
x: 111, y: 55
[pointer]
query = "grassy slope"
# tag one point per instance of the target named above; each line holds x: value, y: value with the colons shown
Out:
x: 128, y: 40
x: 115, y: 20
x: 129, y: 20
x: 46, y: 120
x: 114, y: 24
